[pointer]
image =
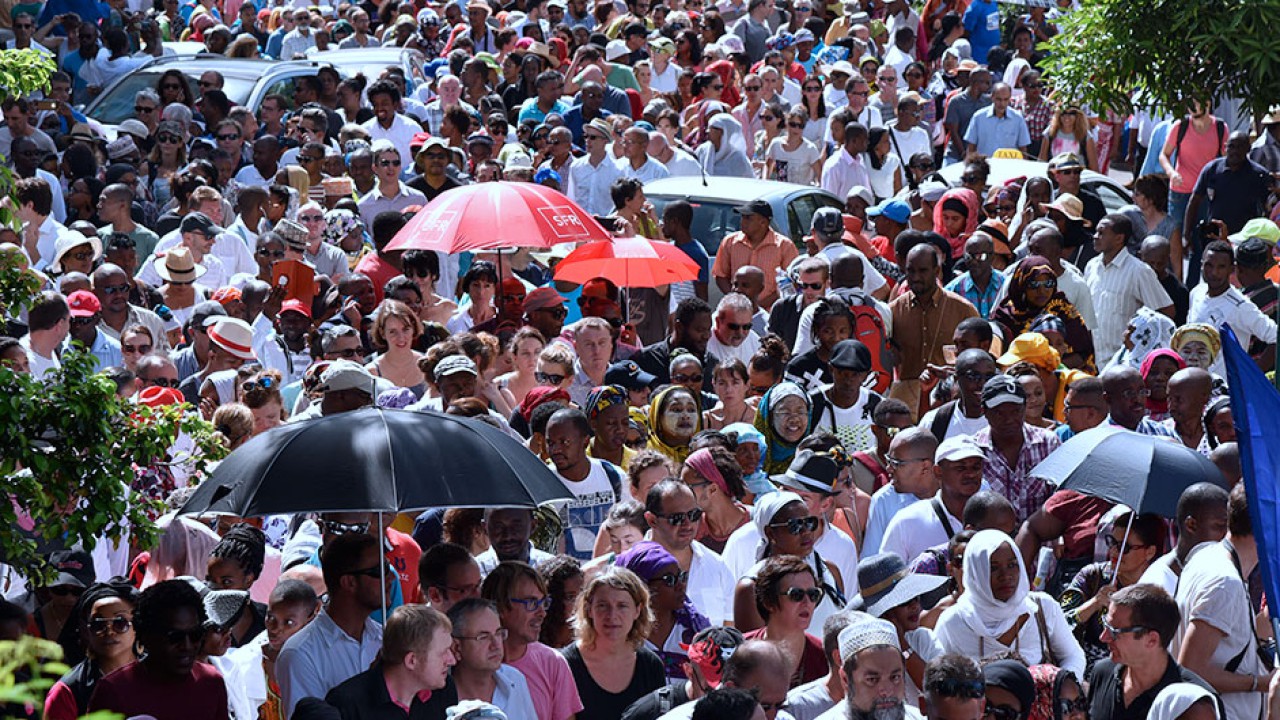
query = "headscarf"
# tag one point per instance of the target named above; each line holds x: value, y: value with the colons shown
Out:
x: 637, y: 419
x: 1017, y: 316
x: 725, y: 69
x: 1175, y: 699
x: 768, y: 506
x: 1013, y: 76
x: 183, y: 549
x: 977, y: 608
x: 1049, y: 680
x: 1012, y: 676
x: 646, y: 559
x: 537, y: 396
x: 778, y: 451
x: 1203, y: 332
x: 705, y: 465
x: 338, y: 224
x: 298, y: 179
x: 730, y: 159
x: 1154, y: 406
x: 1033, y: 348
x: 656, y: 408
x: 756, y: 482
x: 961, y: 200
x: 603, y: 398
x: 1151, y: 331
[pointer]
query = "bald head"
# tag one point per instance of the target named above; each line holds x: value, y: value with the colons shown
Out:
x: 1122, y: 386
x: 846, y: 271
x: 975, y: 360
x: 108, y: 273
x: 1227, y: 458
x: 917, y: 441
x: 1189, y: 392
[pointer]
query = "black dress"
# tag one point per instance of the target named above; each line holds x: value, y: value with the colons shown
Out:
x: 600, y: 704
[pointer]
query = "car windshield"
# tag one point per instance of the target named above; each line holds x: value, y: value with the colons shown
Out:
x: 711, y: 220
x: 116, y: 105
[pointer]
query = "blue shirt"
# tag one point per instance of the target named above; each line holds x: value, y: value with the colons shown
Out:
x: 990, y: 133
x: 530, y: 109
x: 698, y: 254
x: 983, y: 300
x: 1151, y: 163
x: 982, y: 20
x: 105, y: 350
x: 573, y: 120
x: 275, y: 43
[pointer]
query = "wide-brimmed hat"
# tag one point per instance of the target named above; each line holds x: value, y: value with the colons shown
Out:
x: 177, y: 265
x: 1068, y: 205
x: 232, y: 335
x: 886, y: 582
x: 543, y: 51
x: 68, y: 242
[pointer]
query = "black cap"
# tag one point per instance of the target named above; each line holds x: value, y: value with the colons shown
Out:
x: 810, y: 472
x: 628, y: 375
x: 1254, y: 253
x: 851, y: 355
x: 1001, y: 389
x: 75, y: 568
x: 756, y: 207
x: 199, y: 222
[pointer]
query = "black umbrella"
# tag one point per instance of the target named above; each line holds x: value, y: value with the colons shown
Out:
x: 1142, y: 472
x: 375, y: 460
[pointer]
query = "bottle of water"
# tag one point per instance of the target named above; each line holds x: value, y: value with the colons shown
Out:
x: 786, y: 288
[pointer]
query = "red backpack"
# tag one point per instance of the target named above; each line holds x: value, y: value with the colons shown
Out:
x: 868, y: 329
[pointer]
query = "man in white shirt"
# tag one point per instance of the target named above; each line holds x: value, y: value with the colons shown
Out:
x: 595, y: 484
x: 480, y: 673
x: 1214, y: 301
x: 40, y: 232
x: 300, y: 39
x: 48, y: 323
x: 343, y: 640
x: 731, y: 335
x: 906, y: 137
x: 197, y: 233
x: 911, y: 459
x: 1119, y: 284
x: 926, y: 523
x: 673, y: 526
x: 858, y: 94
x: 844, y: 170
x: 635, y: 161
x: 387, y: 124
x: 678, y: 162
x: 1203, y: 516
x: 592, y: 175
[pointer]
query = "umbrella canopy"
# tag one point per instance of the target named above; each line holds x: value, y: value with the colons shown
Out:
x: 628, y: 262
x: 1143, y: 472
x: 375, y: 460
x: 487, y: 216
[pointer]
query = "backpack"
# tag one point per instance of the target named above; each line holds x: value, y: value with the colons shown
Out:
x: 1185, y: 123
x: 868, y: 329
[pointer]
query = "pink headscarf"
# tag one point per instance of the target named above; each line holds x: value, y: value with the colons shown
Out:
x: 702, y: 462
x: 967, y: 198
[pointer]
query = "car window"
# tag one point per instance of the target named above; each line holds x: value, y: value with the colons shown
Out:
x: 711, y: 220
x: 285, y: 88
x: 800, y: 211
x: 1111, y: 196
x: 116, y: 105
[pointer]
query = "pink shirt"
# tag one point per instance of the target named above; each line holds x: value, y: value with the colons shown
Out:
x: 555, y: 696
x: 1198, y: 148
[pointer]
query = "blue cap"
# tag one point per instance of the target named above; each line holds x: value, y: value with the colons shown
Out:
x: 546, y: 174
x: 896, y: 210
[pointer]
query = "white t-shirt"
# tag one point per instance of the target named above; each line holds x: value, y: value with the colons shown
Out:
x: 852, y: 424
x: 1211, y: 591
x: 916, y: 528
x: 915, y: 140
x: 834, y: 546
x: 961, y: 424
x: 39, y: 364
x: 1160, y: 572
x: 882, y: 179
x: 794, y: 166
x: 885, y: 504
x: 582, y: 516
x: 665, y: 82
x: 1234, y: 308
x: 725, y: 353
x: 711, y: 585
x: 810, y: 700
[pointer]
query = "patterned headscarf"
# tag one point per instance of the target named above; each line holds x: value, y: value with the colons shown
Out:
x: 1203, y: 332
x: 338, y: 224
x: 1151, y: 331
x: 603, y: 398
x: 1049, y: 680
x: 778, y: 452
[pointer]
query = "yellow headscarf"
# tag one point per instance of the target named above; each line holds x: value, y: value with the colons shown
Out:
x: 676, y: 452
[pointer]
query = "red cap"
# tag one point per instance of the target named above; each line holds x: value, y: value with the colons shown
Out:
x: 297, y: 306
x: 224, y: 295
x: 419, y: 139
x: 84, y: 304
x: 157, y: 396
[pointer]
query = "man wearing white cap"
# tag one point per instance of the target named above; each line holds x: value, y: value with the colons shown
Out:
x: 873, y: 672
x: 346, y: 386
x: 230, y: 346
x: 958, y: 463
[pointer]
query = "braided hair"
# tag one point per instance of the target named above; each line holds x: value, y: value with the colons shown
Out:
x: 157, y: 602
x: 246, y: 545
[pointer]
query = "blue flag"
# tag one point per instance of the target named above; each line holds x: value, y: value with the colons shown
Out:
x: 1255, y: 408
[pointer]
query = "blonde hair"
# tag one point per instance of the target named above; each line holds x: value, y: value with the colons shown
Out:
x: 1081, y: 127
x: 558, y: 354
x: 393, y: 309
x: 410, y: 629
x: 618, y: 579
x: 232, y: 422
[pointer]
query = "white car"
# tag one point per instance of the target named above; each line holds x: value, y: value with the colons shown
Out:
x: 1113, y: 194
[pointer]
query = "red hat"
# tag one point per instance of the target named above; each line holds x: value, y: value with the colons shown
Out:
x: 224, y: 295
x: 84, y: 304
x: 297, y: 306
x: 157, y: 396
x: 419, y: 139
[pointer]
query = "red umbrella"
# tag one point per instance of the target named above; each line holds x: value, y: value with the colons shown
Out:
x: 489, y: 216
x: 628, y: 262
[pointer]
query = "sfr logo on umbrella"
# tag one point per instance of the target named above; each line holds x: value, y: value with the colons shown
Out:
x: 439, y: 221
x: 564, y: 221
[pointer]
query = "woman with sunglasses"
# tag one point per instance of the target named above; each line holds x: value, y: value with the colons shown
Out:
x: 786, y: 595
x: 773, y: 123
x: 167, y: 158
x: 103, y: 637
x: 611, y: 665
x: 793, y: 157
x: 1068, y: 132
x: 675, y: 618
x: 998, y: 612
x: 1058, y: 695
x: 261, y: 393
x: 1085, y: 599
x: 1033, y: 291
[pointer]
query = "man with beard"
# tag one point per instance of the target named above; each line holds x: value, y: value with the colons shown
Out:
x: 595, y: 484
x: 167, y: 681
x: 690, y: 330
x: 480, y: 673
x: 873, y: 673
x: 520, y: 595
x: 509, y: 530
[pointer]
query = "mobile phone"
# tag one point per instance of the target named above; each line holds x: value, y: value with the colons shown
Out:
x: 949, y: 354
x: 46, y: 104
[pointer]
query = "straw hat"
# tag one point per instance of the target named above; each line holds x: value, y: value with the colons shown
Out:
x: 177, y: 265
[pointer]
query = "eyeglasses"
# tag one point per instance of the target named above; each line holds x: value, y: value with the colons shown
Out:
x: 333, y: 527
x: 168, y: 138
x: 170, y: 86
x: 978, y: 257
x: 347, y: 353
x: 1134, y: 630
x: 922, y: 166
x: 1069, y: 171
x: 377, y: 571
x: 140, y: 349
x: 970, y: 179
x: 206, y: 84
x: 82, y: 255
x: 389, y: 163
x: 678, y: 519
x: 863, y: 93
x: 228, y: 137
x: 533, y: 604
x: 1042, y: 284
x: 178, y: 637
x: 1066, y: 707
x: 795, y: 594
x: 1000, y: 712
x: 301, y: 158
x: 1110, y: 542
x: 65, y: 590
x: 311, y: 218
x: 143, y: 109
x: 813, y: 89
x: 115, y: 290
x: 160, y: 382
x: 262, y: 383
x: 750, y: 88
x: 558, y: 311
x: 118, y: 625
x: 682, y: 379
x: 899, y: 462
x: 548, y: 378
x: 891, y: 431
x: 672, y: 579
x: 797, y: 126
x: 84, y: 321
x: 796, y: 526
x: 485, y: 638
x: 738, y: 327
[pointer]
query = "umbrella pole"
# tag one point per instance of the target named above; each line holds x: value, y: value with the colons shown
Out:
x: 382, y: 566
x: 1115, y: 569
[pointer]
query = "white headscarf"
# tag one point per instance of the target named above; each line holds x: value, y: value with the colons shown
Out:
x: 1013, y: 76
x: 730, y: 159
x: 1175, y: 699
x: 1151, y: 331
x: 977, y: 607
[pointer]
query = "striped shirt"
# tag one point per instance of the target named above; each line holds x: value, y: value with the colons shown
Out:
x: 982, y: 299
x: 1015, y: 482
x: 1118, y: 289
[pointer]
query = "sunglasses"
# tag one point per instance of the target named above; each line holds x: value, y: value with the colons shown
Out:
x: 795, y: 594
x: 271, y: 253
x: 161, y: 382
x: 143, y: 109
x: 170, y: 86
x: 118, y: 625
x: 678, y: 519
x: 178, y: 637
x: 533, y: 604
x: 1069, y: 171
x: 971, y: 179
x: 339, y: 528
x: 1117, y: 632
x: 311, y: 218
x: 263, y: 383
x: 548, y: 378
x: 65, y: 590
x: 205, y: 84
x: 978, y: 257
x: 796, y: 126
x: 864, y: 93
x: 377, y: 571
x: 810, y: 286
x: 682, y: 379
x: 672, y: 579
x: 348, y: 353
x: 301, y: 158
x: 1110, y: 541
x: 796, y: 526
x: 140, y: 349
x: 167, y: 138
x: 83, y: 321
x: 1042, y: 284
x: 813, y: 89
x: 750, y: 88
x: 738, y: 327
x: 1066, y: 707
x: 228, y: 137
x: 389, y: 163
x: 557, y: 311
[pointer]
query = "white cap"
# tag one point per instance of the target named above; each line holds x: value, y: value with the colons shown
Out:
x: 616, y: 49
x: 861, y: 191
x: 958, y: 447
x: 865, y: 631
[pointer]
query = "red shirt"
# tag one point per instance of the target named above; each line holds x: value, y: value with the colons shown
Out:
x: 404, y: 556
x: 378, y: 271
x: 1080, y: 514
x: 135, y: 690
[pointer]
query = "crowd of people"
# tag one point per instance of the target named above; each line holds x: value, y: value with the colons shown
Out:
x: 801, y: 485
